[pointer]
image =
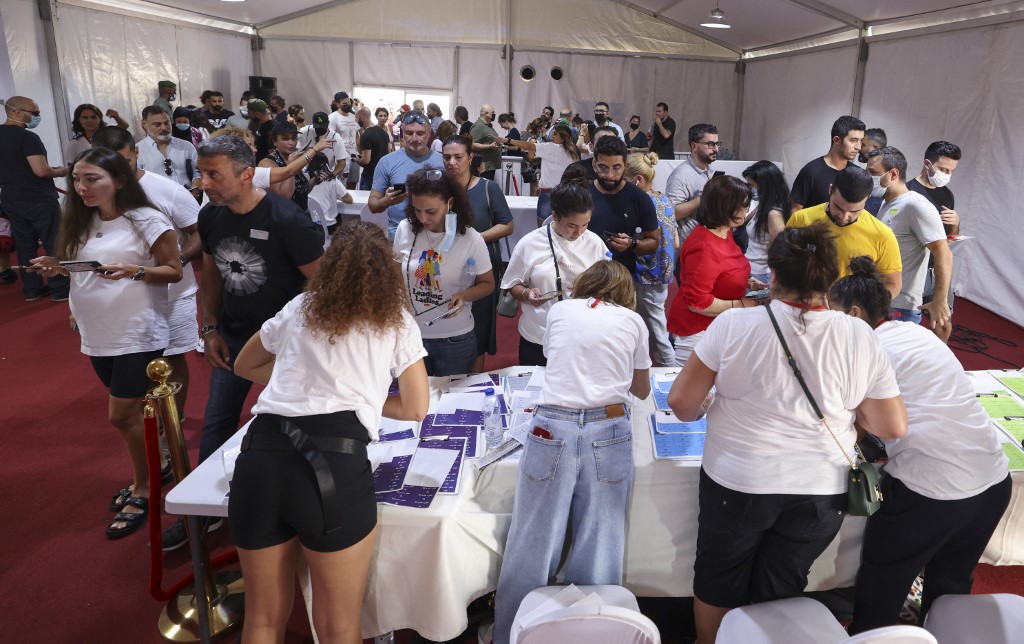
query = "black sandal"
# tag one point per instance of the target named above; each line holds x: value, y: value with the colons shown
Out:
x: 132, y: 520
x: 117, y: 501
x: 166, y: 474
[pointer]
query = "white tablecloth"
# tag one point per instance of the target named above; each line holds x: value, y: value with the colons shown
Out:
x: 524, y: 214
x: 429, y: 564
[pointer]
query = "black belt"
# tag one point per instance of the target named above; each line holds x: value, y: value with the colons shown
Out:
x: 312, y: 449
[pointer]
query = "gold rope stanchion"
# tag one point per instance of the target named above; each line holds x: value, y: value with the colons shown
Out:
x: 193, y: 616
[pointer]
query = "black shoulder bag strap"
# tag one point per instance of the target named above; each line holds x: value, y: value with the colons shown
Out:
x: 803, y: 385
x: 554, y: 258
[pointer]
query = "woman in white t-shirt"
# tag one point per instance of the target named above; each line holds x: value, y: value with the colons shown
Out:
x: 327, y: 360
x: 120, y: 306
x: 769, y: 211
x: 546, y: 262
x: 773, y: 481
x: 946, y: 485
x: 445, y: 267
x: 579, y: 457
x: 555, y: 157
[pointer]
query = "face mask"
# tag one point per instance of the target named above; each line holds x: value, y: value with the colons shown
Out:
x: 346, y: 109
x: 828, y: 214
x: 34, y: 121
x: 752, y: 208
x: 450, y: 228
x: 634, y: 126
x: 600, y: 118
x: 173, y: 97
x: 878, y: 190
x: 244, y: 111
x: 938, y: 179
x: 182, y: 126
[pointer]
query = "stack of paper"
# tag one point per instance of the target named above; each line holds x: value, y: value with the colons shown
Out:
x: 661, y: 384
x: 414, y: 480
x: 675, y: 440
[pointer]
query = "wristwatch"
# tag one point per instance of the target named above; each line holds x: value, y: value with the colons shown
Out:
x: 633, y: 245
x: 139, y: 274
x: 207, y: 329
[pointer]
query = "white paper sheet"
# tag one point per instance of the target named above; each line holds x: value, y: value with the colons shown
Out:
x: 392, y: 426
x: 378, y: 453
x: 430, y: 467
x: 459, y: 400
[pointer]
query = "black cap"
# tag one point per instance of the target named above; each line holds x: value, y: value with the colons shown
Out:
x: 321, y: 121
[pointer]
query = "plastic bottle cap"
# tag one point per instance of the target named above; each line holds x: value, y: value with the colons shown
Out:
x: 489, y: 391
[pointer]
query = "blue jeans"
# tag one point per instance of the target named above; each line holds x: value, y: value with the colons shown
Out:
x: 449, y: 356
x: 543, y: 206
x: 224, y: 406
x: 586, y: 471
x: 907, y: 315
x: 31, y: 223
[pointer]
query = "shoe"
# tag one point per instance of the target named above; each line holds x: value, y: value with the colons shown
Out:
x: 119, y: 498
x: 60, y: 298
x: 166, y: 474
x: 8, y: 277
x: 175, y: 536
x: 132, y: 520
x: 43, y: 291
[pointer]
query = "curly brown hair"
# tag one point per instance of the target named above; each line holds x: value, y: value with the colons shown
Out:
x: 344, y: 294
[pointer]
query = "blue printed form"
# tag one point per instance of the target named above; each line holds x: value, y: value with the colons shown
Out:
x: 676, y: 440
x: 431, y: 429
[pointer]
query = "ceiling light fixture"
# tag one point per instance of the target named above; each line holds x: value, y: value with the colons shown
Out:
x: 716, y: 19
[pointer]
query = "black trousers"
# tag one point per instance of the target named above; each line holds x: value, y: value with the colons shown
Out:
x: 531, y: 354
x: 912, y: 532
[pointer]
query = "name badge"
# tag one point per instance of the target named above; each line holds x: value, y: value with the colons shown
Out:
x: 259, y: 234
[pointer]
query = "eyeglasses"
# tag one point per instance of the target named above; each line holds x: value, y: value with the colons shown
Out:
x: 167, y: 167
x: 414, y: 118
x: 33, y: 113
x: 711, y: 144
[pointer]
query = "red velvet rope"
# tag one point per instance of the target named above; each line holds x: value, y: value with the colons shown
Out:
x: 156, y: 553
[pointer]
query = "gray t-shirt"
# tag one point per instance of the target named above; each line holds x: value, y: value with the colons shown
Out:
x: 685, y: 184
x: 916, y: 223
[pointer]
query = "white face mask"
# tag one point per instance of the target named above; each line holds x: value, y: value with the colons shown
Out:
x: 939, y: 179
x: 244, y: 111
x: 451, y: 227
x: 878, y: 190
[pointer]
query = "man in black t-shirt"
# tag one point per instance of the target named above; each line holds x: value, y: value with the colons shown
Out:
x: 258, y: 251
x: 29, y: 197
x: 215, y: 112
x: 374, y: 143
x: 260, y: 113
x: 663, y: 133
x: 623, y: 216
x: 811, y: 185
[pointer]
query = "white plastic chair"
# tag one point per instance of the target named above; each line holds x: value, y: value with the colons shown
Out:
x: 967, y: 619
x: 797, y: 620
x: 895, y: 635
x: 614, y: 619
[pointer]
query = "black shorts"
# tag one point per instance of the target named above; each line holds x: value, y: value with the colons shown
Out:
x: 759, y: 547
x: 275, y: 496
x: 125, y: 376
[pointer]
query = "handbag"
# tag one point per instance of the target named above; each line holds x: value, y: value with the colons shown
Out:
x: 507, y: 305
x: 863, y: 493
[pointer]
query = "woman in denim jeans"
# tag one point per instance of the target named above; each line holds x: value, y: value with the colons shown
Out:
x: 445, y: 267
x: 579, y: 458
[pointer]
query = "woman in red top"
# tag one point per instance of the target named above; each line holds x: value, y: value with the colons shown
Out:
x: 714, y: 273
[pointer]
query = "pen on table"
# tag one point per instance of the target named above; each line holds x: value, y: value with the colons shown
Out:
x: 986, y: 395
x: 434, y: 438
x: 1014, y: 417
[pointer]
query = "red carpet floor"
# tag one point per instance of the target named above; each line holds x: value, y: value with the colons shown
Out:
x: 61, y: 580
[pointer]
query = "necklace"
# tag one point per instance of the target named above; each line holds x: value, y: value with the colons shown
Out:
x: 806, y: 307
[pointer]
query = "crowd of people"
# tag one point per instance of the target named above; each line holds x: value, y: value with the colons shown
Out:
x: 285, y: 300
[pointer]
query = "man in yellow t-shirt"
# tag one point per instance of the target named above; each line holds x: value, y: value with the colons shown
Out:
x: 857, y: 231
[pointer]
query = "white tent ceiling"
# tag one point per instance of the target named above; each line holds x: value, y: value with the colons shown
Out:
x: 756, y: 24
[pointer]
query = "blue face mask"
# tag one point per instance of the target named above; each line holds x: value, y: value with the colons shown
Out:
x: 450, y: 228
x: 182, y: 126
x: 173, y: 97
x: 33, y: 122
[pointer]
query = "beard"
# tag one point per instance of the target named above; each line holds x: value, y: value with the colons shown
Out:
x: 610, y: 186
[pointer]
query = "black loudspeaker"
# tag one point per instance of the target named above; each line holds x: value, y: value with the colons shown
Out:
x: 263, y: 87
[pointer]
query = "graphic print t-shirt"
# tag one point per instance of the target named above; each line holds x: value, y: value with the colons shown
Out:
x: 258, y: 255
x: 433, y: 277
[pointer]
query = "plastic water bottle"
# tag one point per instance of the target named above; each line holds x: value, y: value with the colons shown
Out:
x: 468, y: 275
x: 492, y: 420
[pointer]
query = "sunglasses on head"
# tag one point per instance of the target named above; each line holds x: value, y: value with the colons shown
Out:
x: 414, y: 118
x: 433, y: 175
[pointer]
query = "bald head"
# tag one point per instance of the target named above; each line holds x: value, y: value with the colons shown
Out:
x: 20, y: 110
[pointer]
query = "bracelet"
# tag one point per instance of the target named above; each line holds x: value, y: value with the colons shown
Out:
x: 308, y: 158
x: 207, y: 330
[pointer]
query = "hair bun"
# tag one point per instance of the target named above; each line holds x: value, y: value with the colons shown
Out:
x: 651, y: 158
x: 864, y: 266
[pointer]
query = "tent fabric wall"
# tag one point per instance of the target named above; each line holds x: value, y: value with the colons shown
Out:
x: 790, y: 103
x: 382, y: 64
x: 116, y: 61
x: 308, y: 72
x: 483, y: 78
x: 23, y: 32
x: 908, y: 95
x: 696, y: 91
